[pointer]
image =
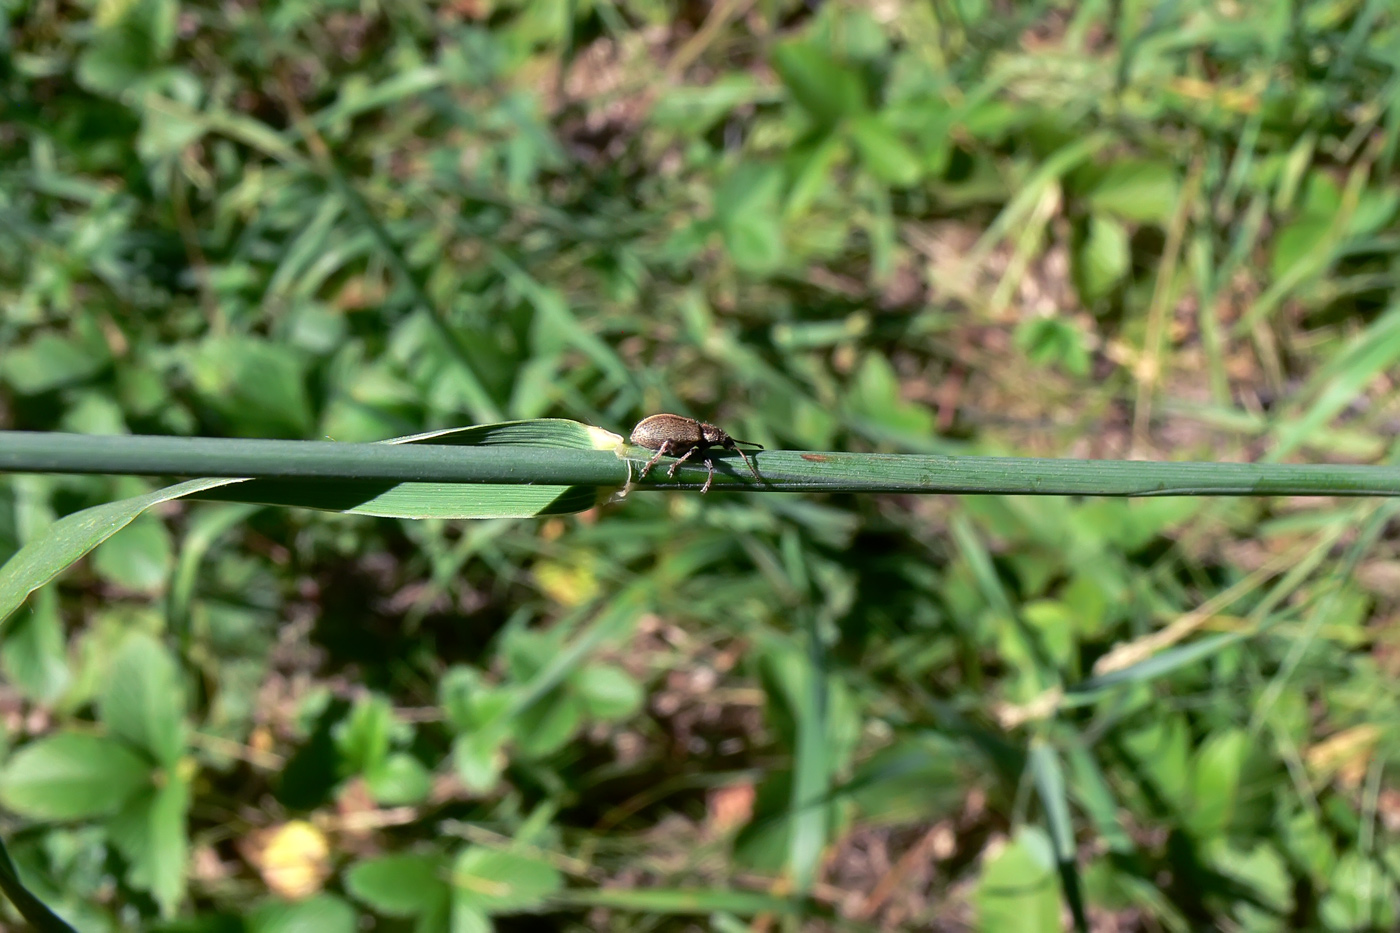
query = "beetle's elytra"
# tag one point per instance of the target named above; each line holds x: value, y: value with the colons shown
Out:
x: 685, y: 437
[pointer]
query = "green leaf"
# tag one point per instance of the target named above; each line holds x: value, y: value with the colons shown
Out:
x: 1359, y: 896
x: 324, y: 913
x: 1101, y: 257
x: 826, y: 89
x: 142, y: 699
x: 810, y: 170
x: 393, y: 499
x: 1215, y: 783
x: 128, y: 46
x: 496, y: 882
x: 46, y: 555
x: 1297, y: 242
x: 399, y: 885
x: 34, y: 655
x: 1138, y: 190
x: 479, y: 759
x: 1052, y: 341
x: 151, y: 832
x: 257, y: 386
x: 71, y: 776
x: 49, y: 362
x: 608, y: 692
x: 547, y: 726
x: 400, y: 780
x: 138, y: 557
x: 1018, y: 891
x: 363, y: 738
x: 748, y: 211
x: 695, y: 110
x: 883, y: 153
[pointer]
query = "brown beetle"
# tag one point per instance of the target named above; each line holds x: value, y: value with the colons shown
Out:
x: 677, y: 434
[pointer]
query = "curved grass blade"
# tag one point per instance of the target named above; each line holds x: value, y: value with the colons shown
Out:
x: 392, y: 499
x: 71, y: 537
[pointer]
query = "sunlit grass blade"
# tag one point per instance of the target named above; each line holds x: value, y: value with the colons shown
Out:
x: 68, y: 539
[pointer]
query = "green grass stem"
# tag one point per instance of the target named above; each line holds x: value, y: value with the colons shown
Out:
x: 782, y: 470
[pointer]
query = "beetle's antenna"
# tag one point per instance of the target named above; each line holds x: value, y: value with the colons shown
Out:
x: 747, y: 443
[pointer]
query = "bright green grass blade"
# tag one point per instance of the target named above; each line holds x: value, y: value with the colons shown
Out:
x: 42, y: 559
x: 71, y: 537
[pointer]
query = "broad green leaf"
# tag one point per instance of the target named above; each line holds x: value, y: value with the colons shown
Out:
x: 400, y: 780
x: 65, y: 541
x: 825, y: 88
x: 497, y: 882
x: 1262, y: 868
x: 1018, y: 891
x: 479, y: 759
x: 747, y: 209
x: 1215, y: 782
x: 918, y: 778
x: 875, y: 398
x: 547, y: 726
x: 259, y: 387
x: 1144, y: 191
x: 363, y: 738
x: 131, y: 40
x: 1360, y: 896
x: 696, y: 109
x: 1299, y: 241
x: 608, y: 692
x: 810, y: 168
x: 49, y: 362
x: 34, y: 655
x: 324, y: 913
x: 71, y: 776
x: 400, y: 885
x: 883, y: 153
x: 142, y: 699
x: 1101, y: 257
x: 138, y: 557
x: 151, y: 832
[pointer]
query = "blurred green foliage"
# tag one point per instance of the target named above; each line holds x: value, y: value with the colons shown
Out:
x: 1160, y: 229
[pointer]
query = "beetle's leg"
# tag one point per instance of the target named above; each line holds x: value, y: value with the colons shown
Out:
x: 661, y: 451
x: 684, y: 457
x: 710, y: 465
x: 751, y: 467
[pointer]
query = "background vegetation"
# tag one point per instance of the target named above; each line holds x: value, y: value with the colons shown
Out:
x: 1063, y: 229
